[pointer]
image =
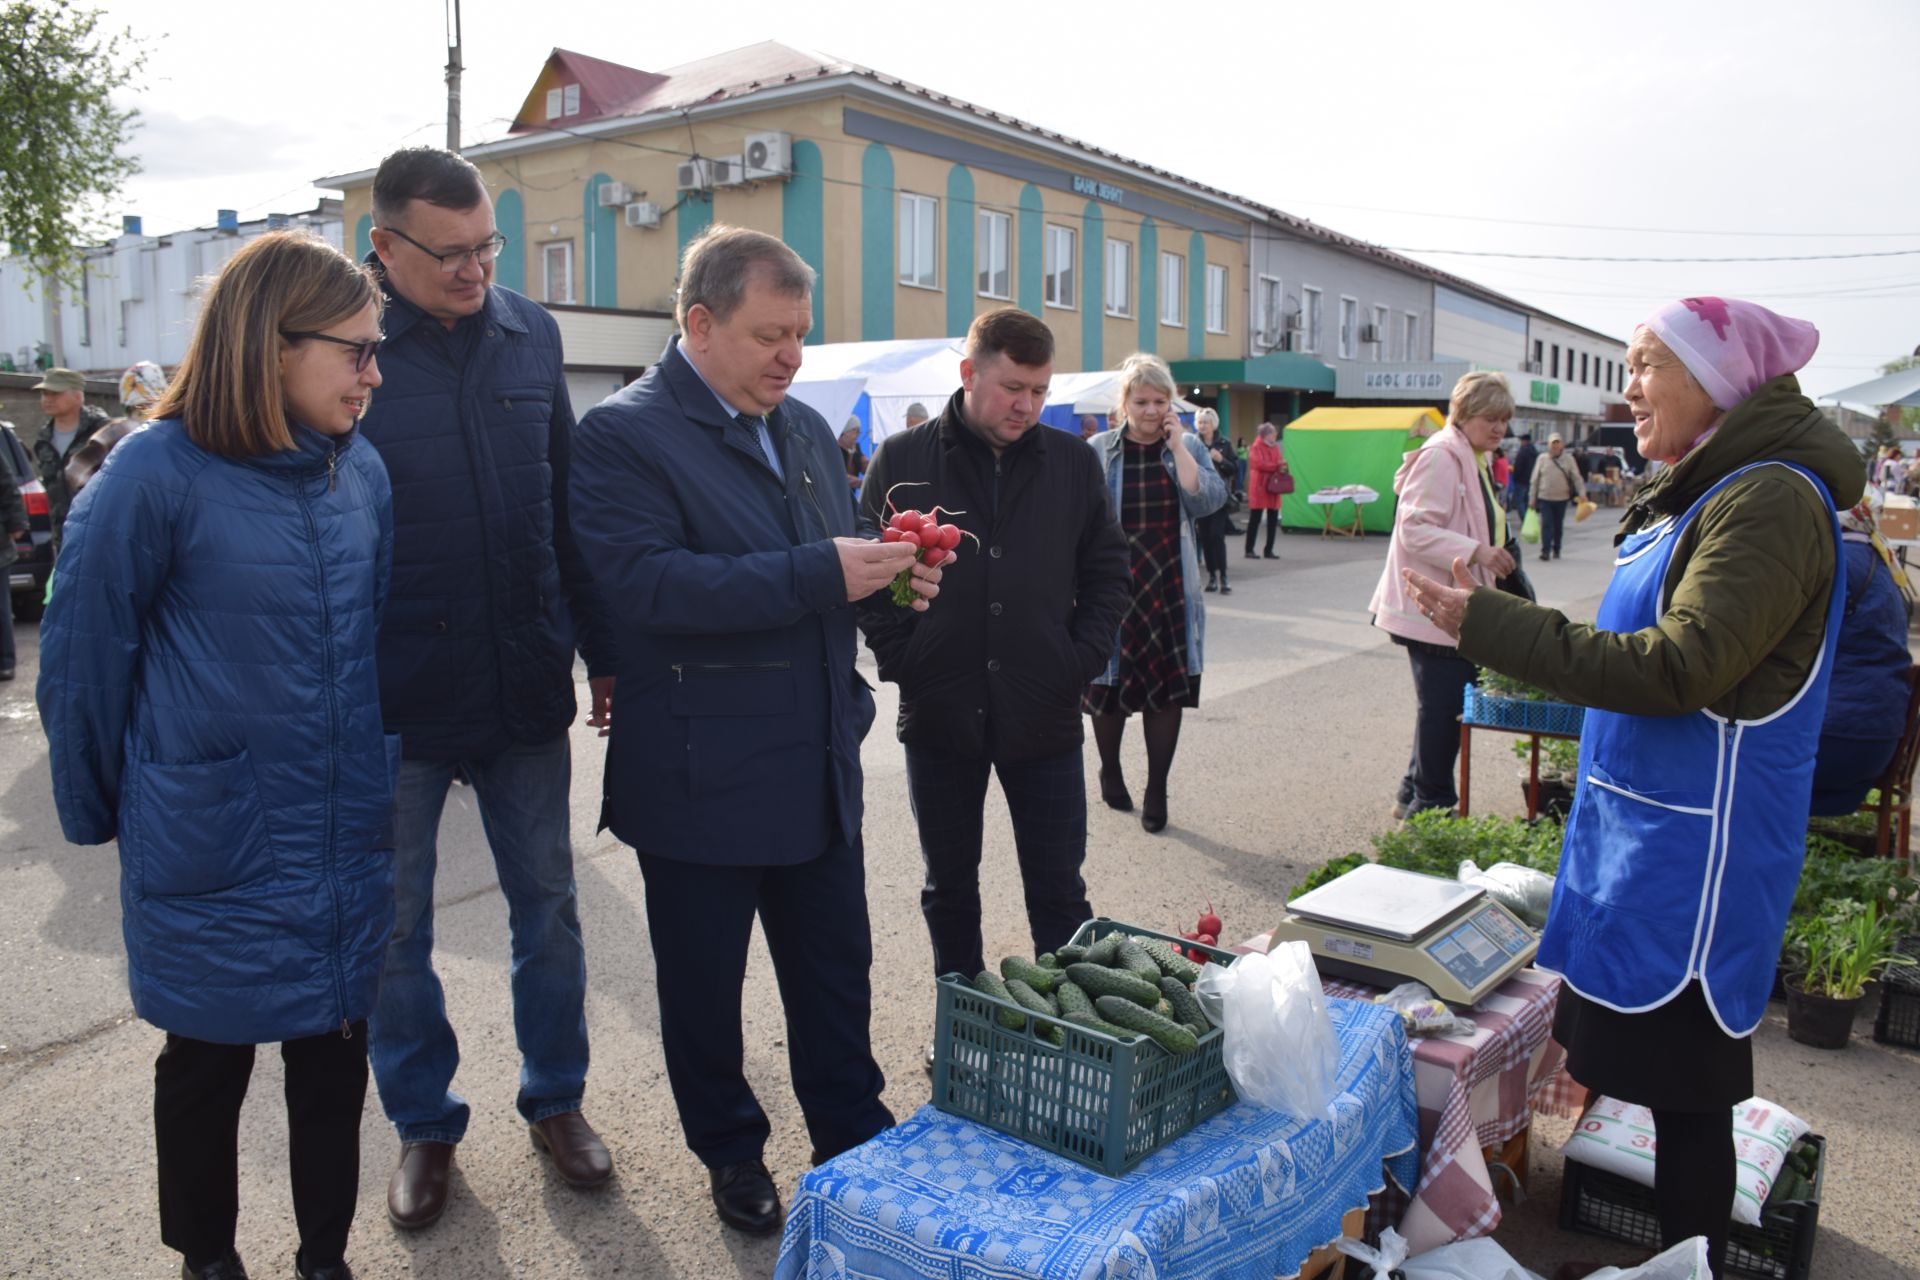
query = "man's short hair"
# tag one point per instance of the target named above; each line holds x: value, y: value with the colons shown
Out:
x: 718, y: 261
x: 431, y: 174
x: 916, y: 412
x: 1008, y: 331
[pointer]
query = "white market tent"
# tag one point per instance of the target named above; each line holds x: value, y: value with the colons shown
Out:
x: 895, y: 375
x: 1902, y: 388
x: 1095, y: 391
x: 832, y: 398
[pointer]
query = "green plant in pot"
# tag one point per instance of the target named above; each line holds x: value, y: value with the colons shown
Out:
x: 1831, y: 958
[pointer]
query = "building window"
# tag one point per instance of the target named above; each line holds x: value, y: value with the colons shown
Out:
x: 1553, y: 363
x: 1309, y: 318
x: 1382, y: 321
x: 1216, y: 298
x: 1539, y: 355
x: 557, y: 270
x: 1062, y: 289
x: 1411, y: 324
x: 1173, y: 289
x: 1349, y: 326
x: 919, y: 228
x: 563, y: 101
x: 1608, y: 382
x: 1583, y: 366
x: 1269, y: 304
x: 992, y: 251
x: 1119, y: 278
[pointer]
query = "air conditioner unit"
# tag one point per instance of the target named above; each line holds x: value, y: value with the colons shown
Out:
x: 1369, y: 333
x: 729, y: 171
x: 1290, y: 340
x: 1530, y: 366
x: 769, y: 155
x: 615, y: 194
x: 693, y: 175
x: 643, y: 213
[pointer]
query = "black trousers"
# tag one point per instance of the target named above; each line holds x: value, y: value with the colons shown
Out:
x: 1553, y: 524
x: 1213, y: 541
x: 1253, y: 525
x: 814, y: 916
x: 1440, y: 679
x: 1047, y: 800
x: 197, y: 1091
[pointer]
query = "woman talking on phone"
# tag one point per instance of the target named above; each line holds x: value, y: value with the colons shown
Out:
x: 1160, y: 482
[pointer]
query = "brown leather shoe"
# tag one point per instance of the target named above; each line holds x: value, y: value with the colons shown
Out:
x: 578, y: 1155
x: 417, y: 1192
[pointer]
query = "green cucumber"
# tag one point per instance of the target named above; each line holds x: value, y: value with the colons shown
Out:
x: 1031, y: 999
x: 1171, y: 964
x: 1048, y: 960
x: 1106, y: 952
x: 1096, y: 982
x: 1093, y: 1022
x: 1169, y: 1035
x: 1069, y: 954
x: 989, y: 984
x: 1027, y: 971
x: 1137, y: 962
x: 1186, y: 1009
x: 1072, y: 998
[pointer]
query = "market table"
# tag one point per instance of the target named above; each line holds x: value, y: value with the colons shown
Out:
x: 1245, y: 1195
x: 1327, y: 499
x: 1477, y: 1091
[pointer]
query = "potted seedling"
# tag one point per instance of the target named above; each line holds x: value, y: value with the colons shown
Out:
x: 1832, y: 957
x: 1559, y: 772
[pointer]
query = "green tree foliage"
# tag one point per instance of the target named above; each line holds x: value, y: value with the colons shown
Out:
x: 62, y: 139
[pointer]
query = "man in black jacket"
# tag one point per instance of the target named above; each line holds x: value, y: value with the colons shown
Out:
x: 991, y: 675
x: 1520, y: 478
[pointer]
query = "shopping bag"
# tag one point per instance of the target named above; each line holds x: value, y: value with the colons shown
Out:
x: 1530, y: 527
x: 1582, y: 511
x: 1281, y: 1048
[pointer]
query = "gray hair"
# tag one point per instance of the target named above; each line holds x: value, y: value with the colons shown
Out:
x: 916, y: 412
x: 853, y: 424
x: 718, y: 261
x: 1267, y: 431
x: 1206, y: 418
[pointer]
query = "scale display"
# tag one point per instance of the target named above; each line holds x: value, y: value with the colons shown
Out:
x: 1384, y: 926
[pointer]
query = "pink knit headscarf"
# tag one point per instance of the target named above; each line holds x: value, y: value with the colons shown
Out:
x: 1730, y: 346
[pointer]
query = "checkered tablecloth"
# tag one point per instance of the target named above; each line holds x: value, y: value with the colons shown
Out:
x: 1246, y: 1195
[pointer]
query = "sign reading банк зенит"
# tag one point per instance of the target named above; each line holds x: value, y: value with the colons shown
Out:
x: 1098, y: 190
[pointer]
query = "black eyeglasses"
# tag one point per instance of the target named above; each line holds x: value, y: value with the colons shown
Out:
x: 363, y: 352
x: 483, y: 253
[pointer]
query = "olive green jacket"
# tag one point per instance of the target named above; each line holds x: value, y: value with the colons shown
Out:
x: 1746, y: 591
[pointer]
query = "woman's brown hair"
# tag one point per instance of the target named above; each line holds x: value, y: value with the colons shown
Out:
x: 227, y: 391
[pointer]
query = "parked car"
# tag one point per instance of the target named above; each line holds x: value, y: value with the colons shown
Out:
x: 28, y: 575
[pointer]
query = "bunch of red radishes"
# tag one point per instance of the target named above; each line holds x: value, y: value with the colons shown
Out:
x: 1206, y: 932
x: 924, y: 532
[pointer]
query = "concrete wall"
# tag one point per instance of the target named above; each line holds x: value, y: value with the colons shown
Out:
x: 1572, y: 343
x: 1301, y: 264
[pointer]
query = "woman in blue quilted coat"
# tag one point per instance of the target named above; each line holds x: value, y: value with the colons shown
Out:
x: 207, y: 686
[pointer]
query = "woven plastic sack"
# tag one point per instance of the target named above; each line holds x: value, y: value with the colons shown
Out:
x: 1280, y: 1047
x: 1522, y: 890
x: 1619, y: 1138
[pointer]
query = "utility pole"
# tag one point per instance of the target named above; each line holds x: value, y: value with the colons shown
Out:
x: 453, y: 75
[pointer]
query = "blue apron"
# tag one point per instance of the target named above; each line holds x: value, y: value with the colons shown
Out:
x: 1685, y: 841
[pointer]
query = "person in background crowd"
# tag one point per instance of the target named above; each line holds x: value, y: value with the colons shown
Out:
x: 1884, y: 468
x: 13, y: 524
x: 141, y: 387
x: 1520, y: 477
x: 1089, y: 425
x: 916, y: 414
x: 1017, y: 633
x: 856, y: 460
x: 208, y: 693
x: 490, y: 600
x: 1556, y: 482
x: 70, y: 420
x: 1263, y: 460
x: 734, y: 766
x: 1447, y: 511
x: 1213, y: 526
x: 1160, y: 482
x: 1501, y: 470
x: 1705, y: 674
x: 1867, y: 696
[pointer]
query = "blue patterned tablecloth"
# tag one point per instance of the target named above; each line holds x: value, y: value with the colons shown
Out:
x: 1246, y: 1195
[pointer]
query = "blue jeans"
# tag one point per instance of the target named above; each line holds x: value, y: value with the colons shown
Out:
x: 522, y: 793
x: 1047, y: 801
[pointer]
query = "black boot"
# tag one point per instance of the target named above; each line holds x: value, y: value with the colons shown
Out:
x: 1213, y: 582
x: 227, y: 1268
x: 1225, y: 590
x: 1113, y: 789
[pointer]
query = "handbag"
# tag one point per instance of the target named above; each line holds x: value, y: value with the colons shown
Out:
x: 1271, y: 486
x: 1517, y: 583
x: 1280, y: 482
x: 1530, y: 527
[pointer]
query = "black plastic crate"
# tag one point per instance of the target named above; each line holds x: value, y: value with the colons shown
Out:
x: 1898, y: 1022
x: 1780, y: 1248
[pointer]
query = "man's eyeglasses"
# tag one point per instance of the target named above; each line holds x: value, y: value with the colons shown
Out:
x: 363, y: 352
x: 482, y: 253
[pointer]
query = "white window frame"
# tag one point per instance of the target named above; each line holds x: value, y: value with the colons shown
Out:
x: 984, y: 264
x: 547, y: 250
x: 1119, y: 282
x: 1216, y: 298
x: 1410, y: 334
x: 1173, y: 290
x: 571, y: 96
x: 556, y: 102
x: 1062, y: 288
x: 919, y: 241
x: 1312, y: 317
x: 1383, y: 332
x: 1348, y: 336
x: 1270, y: 310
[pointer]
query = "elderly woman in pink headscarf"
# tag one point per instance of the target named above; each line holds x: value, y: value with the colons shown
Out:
x: 1706, y: 672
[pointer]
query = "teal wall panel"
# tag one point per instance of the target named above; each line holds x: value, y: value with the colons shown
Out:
x: 1032, y: 250
x: 877, y: 261
x: 363, y: 237
x: 1093, y: 288
x: 803, y: 225
x: 1196, y: 296
x: 600, y: 275
x: 1149, y: 285
x: 510, y: 268
x: 960, y: 229
x: 694, y: 215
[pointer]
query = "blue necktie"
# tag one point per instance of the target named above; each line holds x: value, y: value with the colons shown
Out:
x: 762, y: 436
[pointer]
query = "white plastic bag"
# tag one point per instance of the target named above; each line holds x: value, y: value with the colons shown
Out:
x: 1685, y: 1261
x: 1280, y: 1047
x: 1479, y: 1259
x: 1522, y: 890
x: 1423, y: 1013
x: 1391, y: 1253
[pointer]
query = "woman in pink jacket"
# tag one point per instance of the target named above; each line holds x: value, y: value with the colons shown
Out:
x: 1447, y: 510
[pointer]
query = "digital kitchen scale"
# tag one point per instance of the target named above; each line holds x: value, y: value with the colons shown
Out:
x: 1385, y: 926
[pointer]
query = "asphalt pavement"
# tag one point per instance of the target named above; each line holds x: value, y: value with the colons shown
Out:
x: 1292, y: 758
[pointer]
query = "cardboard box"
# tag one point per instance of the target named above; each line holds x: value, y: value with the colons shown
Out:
x: 1901, y: 518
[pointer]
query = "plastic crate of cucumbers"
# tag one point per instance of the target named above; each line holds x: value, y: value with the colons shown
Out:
x: 1098, y: 1052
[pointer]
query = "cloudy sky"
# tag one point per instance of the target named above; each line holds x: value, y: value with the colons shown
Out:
x: 1684, y: 130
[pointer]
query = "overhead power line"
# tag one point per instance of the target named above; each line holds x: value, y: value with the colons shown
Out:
x: 1597, y: 226
x: 1589, y: 257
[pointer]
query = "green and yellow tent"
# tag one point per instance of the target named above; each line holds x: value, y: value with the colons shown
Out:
x: 1331, y: 447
